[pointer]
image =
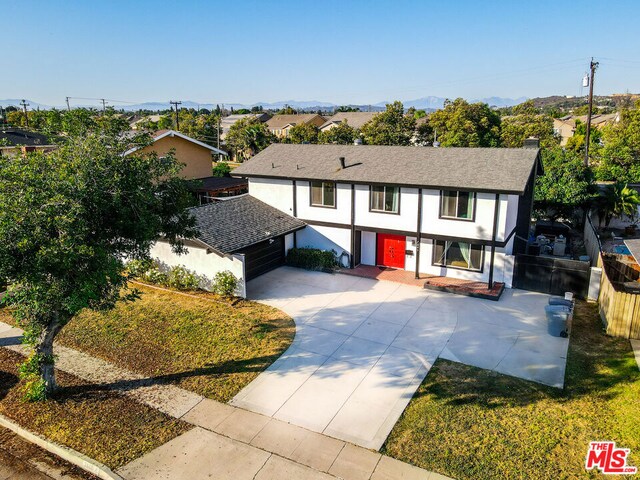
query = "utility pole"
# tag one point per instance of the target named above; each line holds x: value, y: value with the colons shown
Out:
x: 593, y: 66
x: 176, y: 103
x: 26, y: 116
x: 104, y: 105
x: 68, y: 107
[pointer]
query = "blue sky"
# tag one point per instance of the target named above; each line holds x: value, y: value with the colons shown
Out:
x: 335, y: 51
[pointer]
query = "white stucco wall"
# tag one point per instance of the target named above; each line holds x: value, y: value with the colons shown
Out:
x: 340, y: 214
x: 481, y: 227
x: 204, y: 264
x: 406, y: 220
x: 274, y: 192
x: 325, y: 238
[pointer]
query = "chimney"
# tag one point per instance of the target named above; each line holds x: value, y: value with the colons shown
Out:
x: 343, y: 163
x: 531, y: 142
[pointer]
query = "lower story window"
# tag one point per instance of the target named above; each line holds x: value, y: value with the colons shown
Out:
x: 465, y: 255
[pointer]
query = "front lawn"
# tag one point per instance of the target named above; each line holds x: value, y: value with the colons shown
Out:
x: 470, y: 423
x: 213, y: 349
x: 104, y: 425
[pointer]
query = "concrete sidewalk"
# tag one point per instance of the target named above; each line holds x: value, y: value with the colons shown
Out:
x: 227, y: 443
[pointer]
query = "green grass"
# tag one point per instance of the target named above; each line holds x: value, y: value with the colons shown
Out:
x: 470, y: 423
x: 110, y: 428
x: 213, y: 349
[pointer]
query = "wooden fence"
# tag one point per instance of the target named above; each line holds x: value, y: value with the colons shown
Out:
x: 619, y: 309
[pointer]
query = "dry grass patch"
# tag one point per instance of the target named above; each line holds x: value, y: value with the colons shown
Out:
x: 100, y: 423
x: 470, y: 423
x: 213, y: 349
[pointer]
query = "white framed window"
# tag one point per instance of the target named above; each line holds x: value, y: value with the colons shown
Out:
x: 384, y: 199
x: 457, y: 204
x: 464, y: 255
x: 323, y: 194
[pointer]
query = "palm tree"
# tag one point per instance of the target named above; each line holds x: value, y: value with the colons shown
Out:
x: 618, y: 200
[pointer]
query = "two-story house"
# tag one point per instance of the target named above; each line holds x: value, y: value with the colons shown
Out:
x: 456, y: 212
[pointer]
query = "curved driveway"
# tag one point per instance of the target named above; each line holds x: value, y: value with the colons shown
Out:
x: 362, y: 348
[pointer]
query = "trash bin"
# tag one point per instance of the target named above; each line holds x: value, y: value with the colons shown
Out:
x: 557, y: 320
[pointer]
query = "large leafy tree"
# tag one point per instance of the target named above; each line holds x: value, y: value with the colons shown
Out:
x: 524, y: 122
x: 391, y: 127
x: 68, y: 221
x: 302, y: 133
x: 248, y: 136
x: 566, y: 186
x: 341, y: 134
x: 619, y: 158
x: 464, y: 124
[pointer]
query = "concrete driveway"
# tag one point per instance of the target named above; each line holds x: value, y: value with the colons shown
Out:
x: 363, y: 347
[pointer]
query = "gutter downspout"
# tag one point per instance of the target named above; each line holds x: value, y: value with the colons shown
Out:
x: 418, y: 233
x: 352, y: 259
x: 496, y: 211
x: 295, y: 213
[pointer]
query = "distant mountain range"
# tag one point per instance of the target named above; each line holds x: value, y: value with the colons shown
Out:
x: 428, y: 103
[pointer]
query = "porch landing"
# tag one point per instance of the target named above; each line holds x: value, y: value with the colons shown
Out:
x: 458, y: 286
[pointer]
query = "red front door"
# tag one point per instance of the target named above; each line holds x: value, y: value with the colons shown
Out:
x: 391, y: 250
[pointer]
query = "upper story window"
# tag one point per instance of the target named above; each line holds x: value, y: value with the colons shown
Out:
x: 385, y: 199
x: 457, y: 204
x: 323, y: 194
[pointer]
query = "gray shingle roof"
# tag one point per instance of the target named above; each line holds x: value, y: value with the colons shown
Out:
x: 229, y: 226
x: 353, y: 119
x: 503, y: 170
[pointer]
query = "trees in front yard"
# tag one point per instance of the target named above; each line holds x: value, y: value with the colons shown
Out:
x: 248, y: 136
x: 341, y: 134
x: 391, y: 127
x: 464, y: 124
x: 68, y: 221
x: 302, y: 133
x: 566, y: 186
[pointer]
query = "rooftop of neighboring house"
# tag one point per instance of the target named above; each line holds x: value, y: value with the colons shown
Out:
x: 499, y: 170
x: 209, y: 184
x: 353, y: 119
x: 230, y: 225
x: 229, y: 120
x: 596, y: 120
x: 17, y: 136
x: 160, y: 134
x: 148, y: 118
x: 281, y: 121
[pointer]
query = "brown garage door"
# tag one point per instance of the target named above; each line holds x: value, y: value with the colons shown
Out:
x: 263, y: 257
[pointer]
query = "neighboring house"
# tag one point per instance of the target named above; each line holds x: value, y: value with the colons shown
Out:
x: 279, y: 125
x: 138, y: 122
x: 353, y: 119
x: 211, y: 188
x: 565, y: 127
x: 242, y: 235
x: 226, y: 122
x: 455, y: 212
x: 14, y: 141
x: 196, y: 155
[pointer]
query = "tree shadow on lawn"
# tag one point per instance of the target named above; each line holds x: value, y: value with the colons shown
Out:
x: 597, y: 365
x: 248, y: 365
x: 7, y: 382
